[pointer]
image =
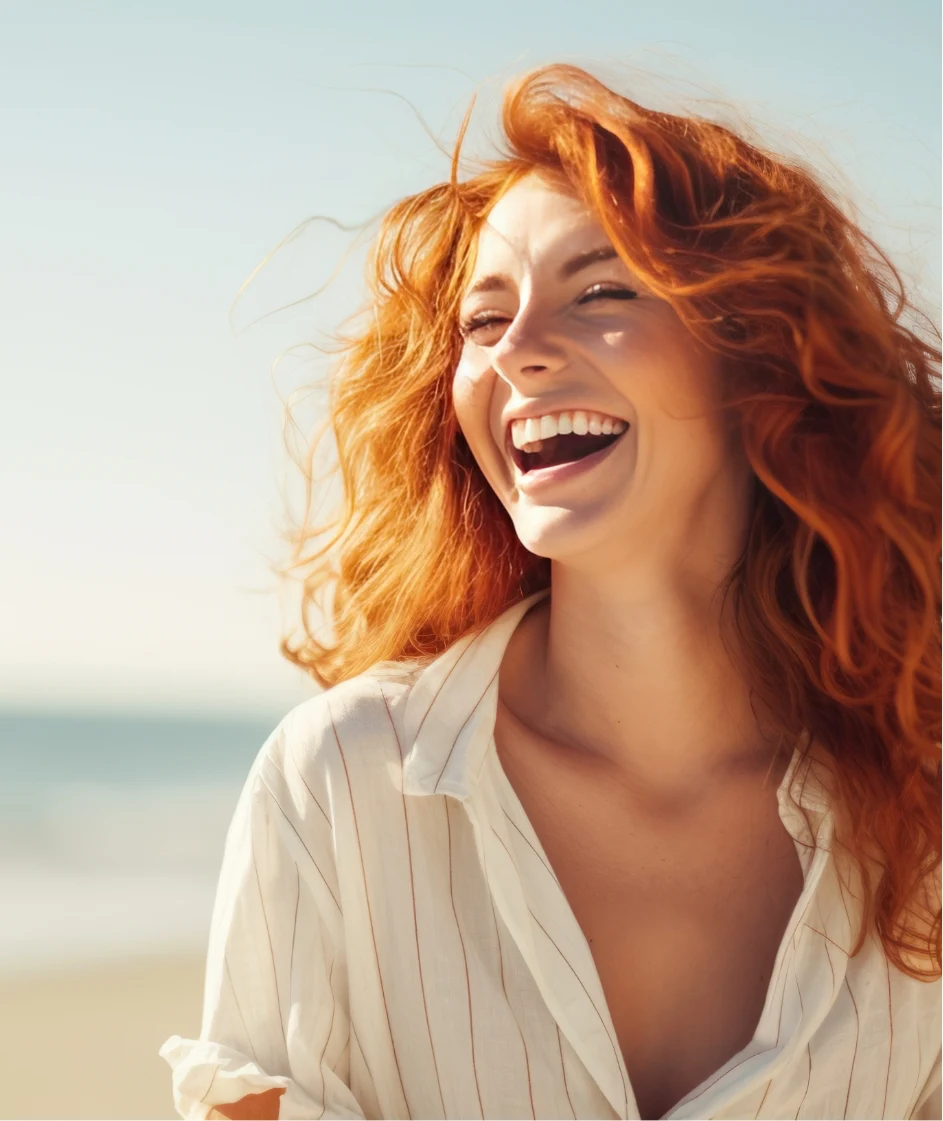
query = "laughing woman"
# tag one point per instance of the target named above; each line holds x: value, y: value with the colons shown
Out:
x: 622, y: 799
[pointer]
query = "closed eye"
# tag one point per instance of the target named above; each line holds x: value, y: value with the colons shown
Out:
x: 476, y: 323
x: 598, y: 292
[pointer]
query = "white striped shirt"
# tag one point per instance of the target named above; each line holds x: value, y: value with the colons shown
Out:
x: 389, y: 939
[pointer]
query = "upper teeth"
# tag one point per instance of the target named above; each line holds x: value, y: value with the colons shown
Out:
x: 534, y: 429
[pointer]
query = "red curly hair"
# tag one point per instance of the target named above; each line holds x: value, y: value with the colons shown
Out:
x: 837, y: 592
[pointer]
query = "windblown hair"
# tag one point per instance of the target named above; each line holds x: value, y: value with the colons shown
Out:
x: 837, y: 592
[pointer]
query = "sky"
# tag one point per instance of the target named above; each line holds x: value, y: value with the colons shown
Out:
x: 155, y: 154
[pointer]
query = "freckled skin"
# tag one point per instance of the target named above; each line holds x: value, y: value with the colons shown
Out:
x: 640, y: 543
x: 630, y: 742
x: 623, y: 724
x: 631, y: 358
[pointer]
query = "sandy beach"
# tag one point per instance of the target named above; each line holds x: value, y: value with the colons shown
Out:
x: 82, y: 1043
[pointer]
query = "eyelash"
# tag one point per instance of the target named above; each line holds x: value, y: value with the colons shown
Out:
x: 485, y: 320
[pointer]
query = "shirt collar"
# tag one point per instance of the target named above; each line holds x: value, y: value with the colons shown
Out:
x: 451, y: 709
x: 452, y: 705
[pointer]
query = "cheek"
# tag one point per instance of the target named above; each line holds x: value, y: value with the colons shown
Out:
x: 657, y: 365
x: 472, y: 385
x: 623, y: 347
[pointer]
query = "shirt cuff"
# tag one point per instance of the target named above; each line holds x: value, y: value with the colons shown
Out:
x: 207, y: 1075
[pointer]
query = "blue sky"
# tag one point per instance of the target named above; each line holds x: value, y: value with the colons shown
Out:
x: 154, y: 154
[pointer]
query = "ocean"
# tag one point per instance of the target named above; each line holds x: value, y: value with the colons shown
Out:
x: 112, y: 830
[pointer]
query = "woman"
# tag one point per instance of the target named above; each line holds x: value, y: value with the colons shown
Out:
x: 623, y: 799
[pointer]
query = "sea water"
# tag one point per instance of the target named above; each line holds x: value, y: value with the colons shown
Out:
x: 112, y: 830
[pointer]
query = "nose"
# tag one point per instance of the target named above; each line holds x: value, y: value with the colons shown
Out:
x: 526, y: 349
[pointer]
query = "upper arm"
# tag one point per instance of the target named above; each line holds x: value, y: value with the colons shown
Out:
x: 275, y: 1032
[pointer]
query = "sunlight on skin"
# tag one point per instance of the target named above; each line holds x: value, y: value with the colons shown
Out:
x: 593, y: 338
x: 553, y: 319
x: 253, y: 1107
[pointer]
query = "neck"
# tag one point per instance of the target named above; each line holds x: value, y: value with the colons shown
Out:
x: 640, y: 681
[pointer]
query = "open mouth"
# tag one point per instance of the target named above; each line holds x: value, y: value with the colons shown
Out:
x: 555, y: 450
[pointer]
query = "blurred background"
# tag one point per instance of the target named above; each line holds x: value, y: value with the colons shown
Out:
x: 153, y: 156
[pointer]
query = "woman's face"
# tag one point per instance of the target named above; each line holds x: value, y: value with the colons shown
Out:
x: 553, y: 324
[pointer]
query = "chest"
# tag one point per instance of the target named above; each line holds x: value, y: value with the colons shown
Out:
x: 684, y: 917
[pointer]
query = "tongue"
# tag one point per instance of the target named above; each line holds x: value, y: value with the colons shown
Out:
x: 565, y: 449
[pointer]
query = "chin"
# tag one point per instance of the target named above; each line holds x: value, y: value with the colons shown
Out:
x: 558, y: 532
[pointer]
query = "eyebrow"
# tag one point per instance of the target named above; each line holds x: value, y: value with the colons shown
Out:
x: 497, y: 281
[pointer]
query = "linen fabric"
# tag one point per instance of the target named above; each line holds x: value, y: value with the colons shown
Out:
x: 389, y: 939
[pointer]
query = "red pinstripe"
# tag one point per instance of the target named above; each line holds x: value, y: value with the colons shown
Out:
x: 412, y: 889
x: 471, y: 1024
x: 855, y: 1053
x: 366, y: 893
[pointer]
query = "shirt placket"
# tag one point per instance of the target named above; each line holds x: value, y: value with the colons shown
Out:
x: 538, y: 916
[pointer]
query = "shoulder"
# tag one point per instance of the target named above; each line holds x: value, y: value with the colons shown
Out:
x: 355, y: 728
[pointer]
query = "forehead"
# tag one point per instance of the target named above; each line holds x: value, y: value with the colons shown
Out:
x: 534, y: 219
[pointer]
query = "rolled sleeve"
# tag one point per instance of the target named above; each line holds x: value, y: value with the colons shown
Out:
x: 275, y: 1010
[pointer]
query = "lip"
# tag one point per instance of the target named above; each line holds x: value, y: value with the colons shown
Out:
x: 540, y: 479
